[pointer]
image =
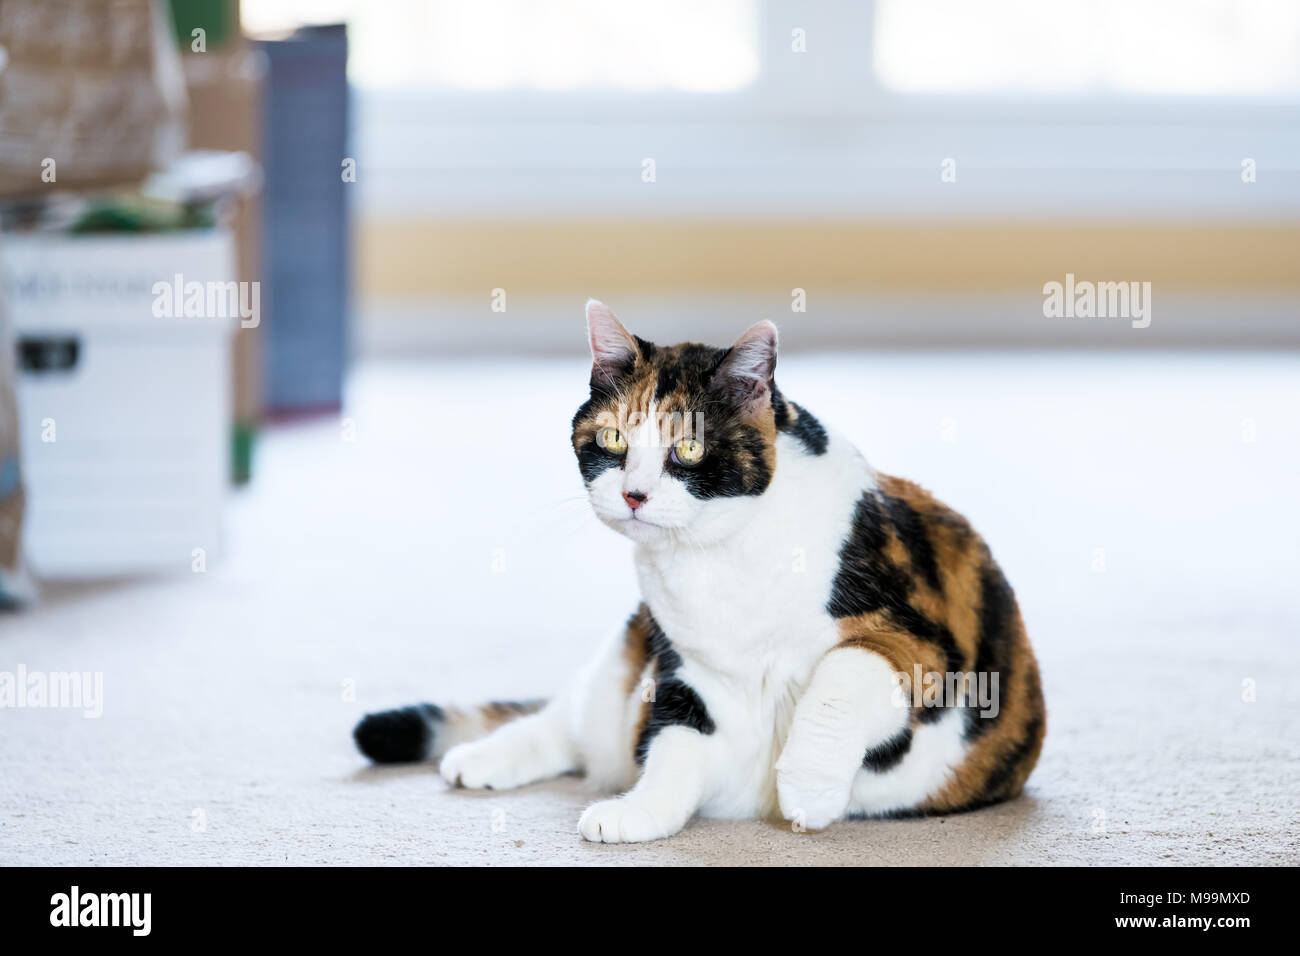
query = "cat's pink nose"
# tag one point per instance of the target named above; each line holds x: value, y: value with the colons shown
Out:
x: 635, y: 499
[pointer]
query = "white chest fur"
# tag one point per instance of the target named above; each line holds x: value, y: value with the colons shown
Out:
x: 748, y: 615
x: 765, y: 588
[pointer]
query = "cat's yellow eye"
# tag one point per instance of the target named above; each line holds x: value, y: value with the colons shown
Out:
x: 612, y: 440
x: 688, y: 451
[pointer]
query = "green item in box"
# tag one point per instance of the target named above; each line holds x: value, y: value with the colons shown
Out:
x: 128, y: 212
x: 241, y: 459
x: 219, y: 19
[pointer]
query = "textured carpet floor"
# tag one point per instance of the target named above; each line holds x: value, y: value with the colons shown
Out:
x: 1143, y: 506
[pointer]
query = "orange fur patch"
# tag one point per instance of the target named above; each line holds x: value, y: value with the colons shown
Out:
x: 1002, y: 757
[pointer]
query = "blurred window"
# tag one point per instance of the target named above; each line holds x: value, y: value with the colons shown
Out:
x: 557, y: 45
x: 1047, y: 47
x: 464, y: 106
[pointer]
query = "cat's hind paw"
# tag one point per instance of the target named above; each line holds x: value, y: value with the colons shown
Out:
x: 625, y: 820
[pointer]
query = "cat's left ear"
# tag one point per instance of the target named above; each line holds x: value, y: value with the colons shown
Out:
x: 745, y: 374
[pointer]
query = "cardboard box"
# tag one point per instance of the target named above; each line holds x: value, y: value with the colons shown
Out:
x: 225, y: 92
x: 91, y: 94
x: 124, y: 405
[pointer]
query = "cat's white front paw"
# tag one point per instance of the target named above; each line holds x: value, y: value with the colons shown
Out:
x: 810, y: 800
x: 481, y: 765
x: 625, y: 820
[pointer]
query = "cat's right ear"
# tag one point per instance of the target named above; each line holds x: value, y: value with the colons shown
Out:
x: 613, y: 348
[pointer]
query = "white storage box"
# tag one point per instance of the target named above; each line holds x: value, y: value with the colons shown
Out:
x: 124, y: 405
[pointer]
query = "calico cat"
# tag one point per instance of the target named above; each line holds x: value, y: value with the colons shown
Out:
x: 811, y: 635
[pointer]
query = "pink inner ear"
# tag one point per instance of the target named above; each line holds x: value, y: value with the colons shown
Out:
x: 754, y: 354
x: 611, y: 344
x: 746, y: 373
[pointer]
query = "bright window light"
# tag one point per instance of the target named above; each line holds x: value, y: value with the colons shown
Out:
x: 1145, y: 47
x: 480, y: 45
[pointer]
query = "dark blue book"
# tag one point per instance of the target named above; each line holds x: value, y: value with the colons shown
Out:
x: 306, y: 220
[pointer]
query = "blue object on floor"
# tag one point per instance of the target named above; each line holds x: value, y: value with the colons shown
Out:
x: 306, y: 223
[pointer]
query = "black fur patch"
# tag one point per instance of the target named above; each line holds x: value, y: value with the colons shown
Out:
x: 398, y: 736
x: 734, y: 465
x: 806, y: 428
x: 692, y: 370
x: 648, y: 349
x: 993, y: 653
x: 676, y: 703
x: 780, y: 409
x: 889, y: 754
x: 593, y: 461
x: 867, y: 582
x: 911, y: 531
x: 1010, y: 762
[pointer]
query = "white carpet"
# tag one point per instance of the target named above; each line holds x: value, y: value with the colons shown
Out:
x: 372, y: 561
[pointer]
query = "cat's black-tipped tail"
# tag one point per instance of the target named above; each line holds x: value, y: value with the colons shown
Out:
x: 399, y: 736
x: 427, y: 731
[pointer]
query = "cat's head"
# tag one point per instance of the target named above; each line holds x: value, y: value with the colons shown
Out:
x: 676, y: 443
